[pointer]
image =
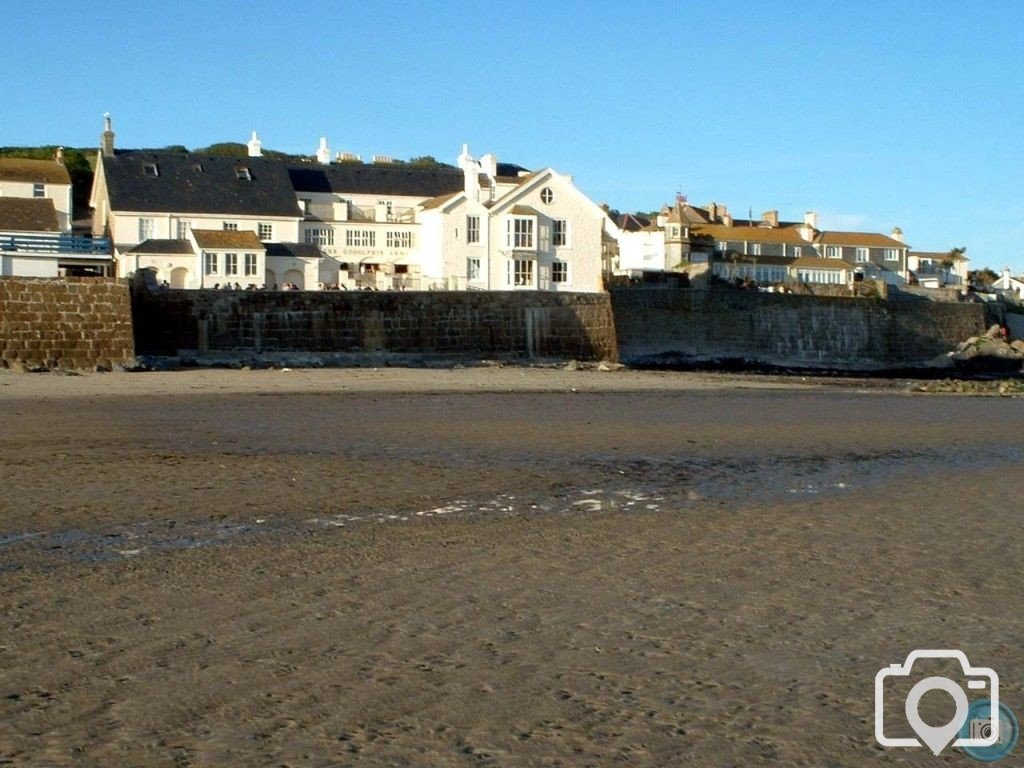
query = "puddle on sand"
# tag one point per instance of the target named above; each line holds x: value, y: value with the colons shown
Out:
x: 636, y: 486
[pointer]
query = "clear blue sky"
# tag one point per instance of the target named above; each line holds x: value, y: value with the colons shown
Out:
x: 875, y: 114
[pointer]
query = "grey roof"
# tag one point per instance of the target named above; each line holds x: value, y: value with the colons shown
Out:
x: 294, y: 250
x: 28, y: 214
x: 363, y: 178
x: 194, y: 183
x: 163, y: 247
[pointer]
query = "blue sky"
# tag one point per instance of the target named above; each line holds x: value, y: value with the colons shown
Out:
x: 875, y: 114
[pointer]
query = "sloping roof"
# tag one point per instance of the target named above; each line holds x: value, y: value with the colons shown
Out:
x: 523, y: 210
x: 812, y: 262
x: 684, y: 213
x: 218, y: 238
x: 175, y: 182
x: 746, y: 258
x: 45, y: 171
x: 437, y: 202
x: 28, y: 214
x: 169, y: 247
x: 863, y: 239
x: 631, y: 222
x: 363, y: 178
x: 720, y: 232
x: 295, y: 250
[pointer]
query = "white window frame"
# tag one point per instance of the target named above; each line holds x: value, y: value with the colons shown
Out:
x: 473, y: 230
x: 230, y: 263
x: 473, y: 269
x: 146, y: 228
x: 230, y: 226
x: 723, y: 246
x: 321, y: 236
x: 210, y: 265
x: 522, y: 273
x: 521, y: 233
x: 251, y: 264
x: 564, y: 265
x: 360, y: 238
x: 547, y: 196
x: 797, y: 250
x: 755, y: 249
x: 863, y: 256
x: 833, y: 252
x: 265, y: 231
x: 184, y: 227
x: 560, y: 239
x: 38, y: 190
x: 397, y: 238
x: 892, y: 254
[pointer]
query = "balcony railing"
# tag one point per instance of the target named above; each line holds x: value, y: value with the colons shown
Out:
x: 61, y: 244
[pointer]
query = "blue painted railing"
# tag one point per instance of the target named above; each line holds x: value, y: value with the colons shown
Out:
x: 83, y: 246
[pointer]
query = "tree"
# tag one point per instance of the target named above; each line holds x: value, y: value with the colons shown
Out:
x: 953, y: 256
x: 982, y: 277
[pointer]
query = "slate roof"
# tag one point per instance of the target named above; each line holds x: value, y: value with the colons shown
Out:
x: 168, y: 247
x: 196, y: 183
x: 28, y: 214
x: 369, y: 179
x: 295, y: 250
x: 437, y: 202
x: 45, y: 171
x: 720, y: 232
x: 218, y: 238
x: 863, y: 239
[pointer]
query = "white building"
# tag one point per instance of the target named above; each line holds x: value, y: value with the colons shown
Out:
x: 35, y: 223
x: 934, y: 269
x: 1008, y: 282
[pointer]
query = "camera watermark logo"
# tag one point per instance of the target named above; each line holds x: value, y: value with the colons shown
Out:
x: 977, y: 727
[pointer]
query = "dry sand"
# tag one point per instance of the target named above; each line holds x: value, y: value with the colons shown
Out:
x: 483, y: 567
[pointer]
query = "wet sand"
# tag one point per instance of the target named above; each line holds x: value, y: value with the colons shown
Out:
x: 486, y: 567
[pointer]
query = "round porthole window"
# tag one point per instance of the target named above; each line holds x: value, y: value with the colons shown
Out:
x: 546, y: 195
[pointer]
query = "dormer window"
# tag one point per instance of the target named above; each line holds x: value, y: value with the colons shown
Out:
x: 150, y: 169
x: 243, y: 173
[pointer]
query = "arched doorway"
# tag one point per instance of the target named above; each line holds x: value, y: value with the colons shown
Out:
x: 270, y: 279
x: 294, y: 276
x: 179, y: 277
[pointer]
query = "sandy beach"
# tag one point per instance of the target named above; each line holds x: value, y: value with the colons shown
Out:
x: 492, y: 566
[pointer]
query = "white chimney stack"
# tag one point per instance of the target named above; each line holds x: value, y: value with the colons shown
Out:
x: 811, y: 219
x: 255, y: 146
x: 323, y: 152
x: 897, y: 234
x: 107, y: 139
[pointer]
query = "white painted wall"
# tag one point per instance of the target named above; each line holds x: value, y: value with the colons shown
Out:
x: 124, y: 226
x: 59, y: 193
x: 643, y: 250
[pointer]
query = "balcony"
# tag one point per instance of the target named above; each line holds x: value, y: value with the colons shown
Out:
x: 64, y: 245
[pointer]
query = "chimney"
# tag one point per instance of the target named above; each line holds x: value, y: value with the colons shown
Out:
x: 726, y: 217
x: 59, y: 155
x: 107, y: 139
x: 897, y: 234
x: 323, y: 152
x: 713, y: 212
x: 489, y: 165
x: 255, y: 146
x: 771, y: 218
x: 464, y: 157
x: 383, y: 159
x: 811, y: 220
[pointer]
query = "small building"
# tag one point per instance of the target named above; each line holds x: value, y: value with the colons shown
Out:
x: 39, y: 180
x: 1010, y: 283
x: 935, y: 269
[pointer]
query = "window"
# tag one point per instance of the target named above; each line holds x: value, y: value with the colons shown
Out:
x: 230, y: 226
x: 472, y: 269
x: 150, y: 169
x: 755, y: 249
x: 38, y: 190
x: 797, y: 250
x: 266, y: 232
x: 145, y: 229
x: 520, y: 272
x: 184, y: 227
x: 243, y: 173
x: 210, y: 263
x: 891, y: 254
x: 559, y: 232
x: 834, y: 252
x: 546, y: 195
x: 360, y: 238
x: 519, y: 232
x: 250, y: 264
x: 559, y: 272
x: 399, y: 239
x: 386, y: 203
x: 862, y: 255
x: 472, y: 229
x: 230, y: 263
x: 320, y: 236
x: 723, y: 246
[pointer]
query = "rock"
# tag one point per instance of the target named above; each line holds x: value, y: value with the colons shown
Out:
x: 941, y: 362
x: 1018, y: 345
x: 17, y: 366
x: 572, y: 365
x: 606, y: 366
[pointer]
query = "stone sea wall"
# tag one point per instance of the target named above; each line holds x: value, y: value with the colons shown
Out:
x: 658, y: 326
x: 73, y: 323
